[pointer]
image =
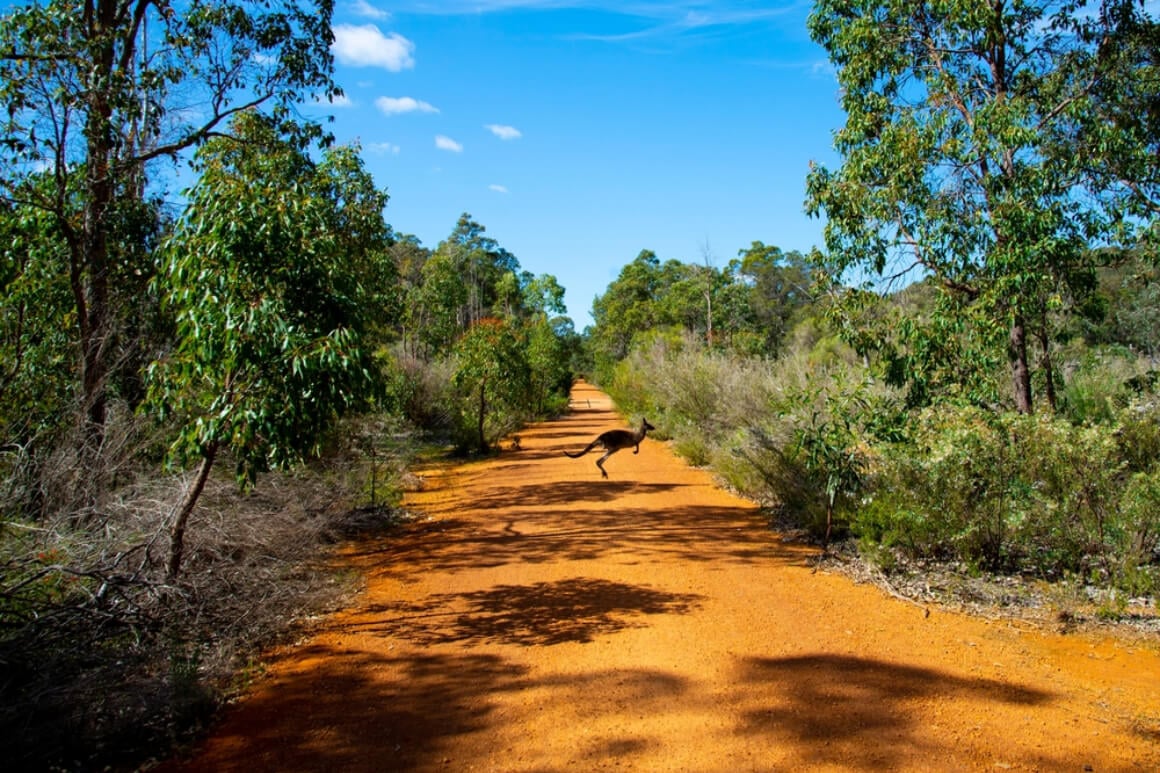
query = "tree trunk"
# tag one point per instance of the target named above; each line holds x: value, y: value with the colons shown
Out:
x: 90, y: 273
x: 482, y: 410
x: 1048, y: 368
x: 188, y: 502
x: 1020, y: 372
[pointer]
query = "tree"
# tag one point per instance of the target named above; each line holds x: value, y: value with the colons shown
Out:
x: 483, y: 266
x: 492, y: 368
x: 266, y: 277
x: 1117, y: 140
x: 627, y: 307
x: 779, y: 286
x: 950, y: 149
x: 548, y: 339
x: 438, y: 303
x: 95, y: 90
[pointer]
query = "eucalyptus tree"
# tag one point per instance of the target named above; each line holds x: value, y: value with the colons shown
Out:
x: 269, y: 277
x: 492, y: 372
x: 483, y: 264
x: 549, y: 339
x: 627, y: 307
x: 779, y: 285
x: 96, y: 90
x: 955, y: 162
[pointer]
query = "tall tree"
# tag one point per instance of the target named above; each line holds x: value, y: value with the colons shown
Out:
x: 779, y: 285
x: 97, y: 89
x: 627, y: 307
x: 950, y: 153
x: 483, y: 264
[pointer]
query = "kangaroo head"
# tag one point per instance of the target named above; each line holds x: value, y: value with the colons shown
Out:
x: 644, y: 425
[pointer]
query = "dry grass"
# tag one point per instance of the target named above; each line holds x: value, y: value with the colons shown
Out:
x: 104, y: 664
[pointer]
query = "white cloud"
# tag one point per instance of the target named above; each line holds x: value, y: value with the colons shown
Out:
x: 446, y: 143
x: 366, y: 46
x: 497, y: 188
x: 366, y: 10
x: 504, y: 132
x: 394, y: 105
x: 341, y: 100
x: 384, y: 147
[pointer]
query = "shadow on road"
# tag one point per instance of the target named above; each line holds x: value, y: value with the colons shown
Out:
x: 543, y: 613
x: 836, y: 708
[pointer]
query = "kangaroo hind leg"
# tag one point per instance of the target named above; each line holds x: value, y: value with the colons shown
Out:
x: 600, y: 461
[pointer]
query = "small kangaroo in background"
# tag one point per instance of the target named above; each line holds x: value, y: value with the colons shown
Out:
x: 615, y: 440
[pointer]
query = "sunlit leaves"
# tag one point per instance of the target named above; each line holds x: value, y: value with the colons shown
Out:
x: 266, y: 278
x: 958, y: 115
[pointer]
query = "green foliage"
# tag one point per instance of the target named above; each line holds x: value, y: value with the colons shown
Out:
x: 1032, y: 493
x: 268, y: 296
x: 956, y: 163
x: 95, y: 94
x: 748, y: 308
x: 36, y: 351
x: 1138, y: 537
x: 1097, y: 388
x: 1139, y: 435
x: 826, y: 439
x: 494, y: 381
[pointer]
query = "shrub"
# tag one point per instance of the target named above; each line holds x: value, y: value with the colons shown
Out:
x: 1138, y: 534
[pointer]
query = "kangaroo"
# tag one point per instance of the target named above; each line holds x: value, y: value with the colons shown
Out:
x: 615, y: 440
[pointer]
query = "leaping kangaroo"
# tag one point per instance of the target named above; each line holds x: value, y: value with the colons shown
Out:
x: 615, y: 440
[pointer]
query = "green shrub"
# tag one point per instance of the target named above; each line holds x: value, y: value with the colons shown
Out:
x: 1097, y: 389
x: 1138, y: 534
x: 1072, y: 476
x: 1139, y: 435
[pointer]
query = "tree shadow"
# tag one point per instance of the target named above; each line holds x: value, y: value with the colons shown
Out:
x: 698, y: 534
x: 541, y: 614
x: 571, y: 493
x: 836, y: 708
x: 357, y: 711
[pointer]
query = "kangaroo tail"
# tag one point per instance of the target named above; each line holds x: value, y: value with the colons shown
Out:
x: 587, y: 448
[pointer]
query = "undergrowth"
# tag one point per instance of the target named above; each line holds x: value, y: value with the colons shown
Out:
x: 833, y: 453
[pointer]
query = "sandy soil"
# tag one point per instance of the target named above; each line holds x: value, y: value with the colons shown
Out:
x: 539, y: 618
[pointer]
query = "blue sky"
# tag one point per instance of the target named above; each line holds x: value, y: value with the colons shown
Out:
x: 580, y: 132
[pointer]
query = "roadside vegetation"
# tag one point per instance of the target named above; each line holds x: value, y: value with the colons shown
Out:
x: 966, y: 374
x: 202, y: 392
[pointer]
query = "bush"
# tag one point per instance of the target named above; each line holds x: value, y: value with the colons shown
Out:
x: 1011, y: 492
x: 1138, y: 534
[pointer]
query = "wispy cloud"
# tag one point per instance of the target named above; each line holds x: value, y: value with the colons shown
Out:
x: 395, y: 105
x: 444, y: 142
x: 342, y: 100
x: 649, y: 19
x: 366, y: 10
x: 384, y: 148
x: 504, y: 132
x: 497, y: 188
x: 686, y: 13
x: 365, y: 45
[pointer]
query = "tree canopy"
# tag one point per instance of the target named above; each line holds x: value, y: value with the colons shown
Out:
x: 95, y: 90
x: 960, y: 160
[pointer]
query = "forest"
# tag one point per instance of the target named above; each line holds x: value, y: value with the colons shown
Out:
x: 200, y: 395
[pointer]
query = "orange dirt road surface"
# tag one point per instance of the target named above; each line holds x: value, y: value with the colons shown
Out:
x: 539, y: 618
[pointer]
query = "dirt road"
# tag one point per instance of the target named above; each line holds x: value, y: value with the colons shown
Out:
x: 542, y: 619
